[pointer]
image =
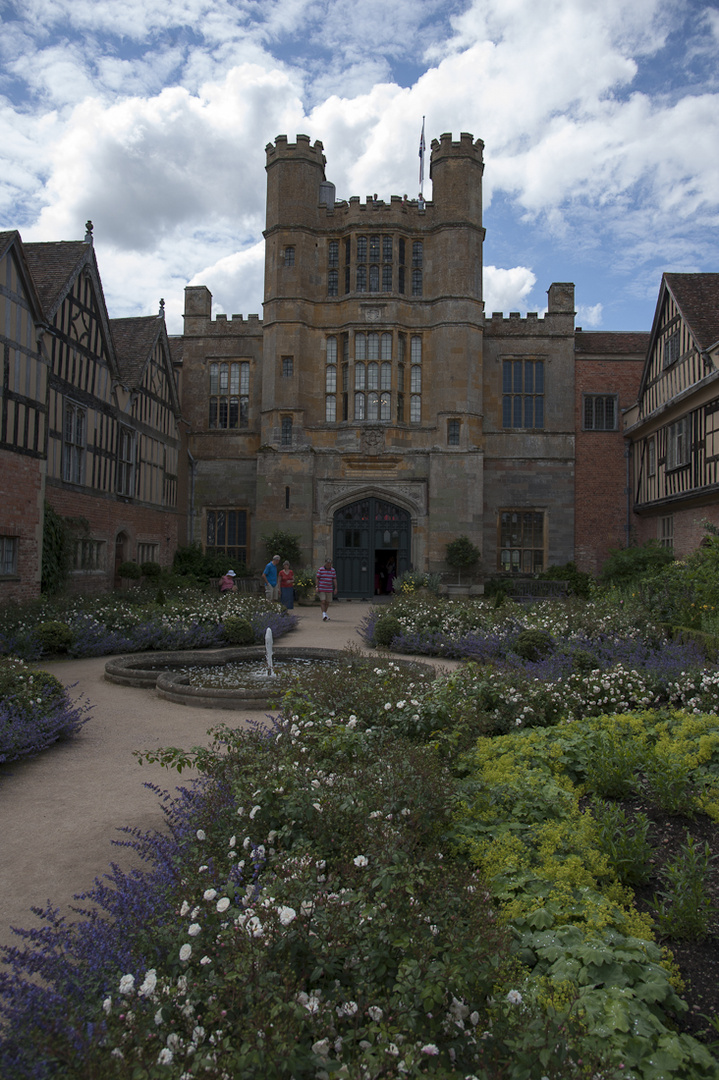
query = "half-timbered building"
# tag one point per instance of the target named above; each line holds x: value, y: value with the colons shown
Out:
x: 674, y: 426
x: 23, y: 425
x: 104, y: 434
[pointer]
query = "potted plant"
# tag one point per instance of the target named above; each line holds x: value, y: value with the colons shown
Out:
x: 305, y: 586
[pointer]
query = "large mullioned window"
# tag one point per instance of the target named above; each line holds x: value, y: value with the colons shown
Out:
x: 226, y: 533
x: 521, y: 541
x: 229, y: 394
x: 523, y: 394
x: 374, y: 263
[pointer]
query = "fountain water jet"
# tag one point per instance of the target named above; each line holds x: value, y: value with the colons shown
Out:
x: 268, y: 650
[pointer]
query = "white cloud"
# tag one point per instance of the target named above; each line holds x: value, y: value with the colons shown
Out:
x: 152, y: 120
x: 507, y: 290
x: 589, y: 316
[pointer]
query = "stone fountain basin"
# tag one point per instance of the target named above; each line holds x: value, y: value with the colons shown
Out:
x: 160, y: 670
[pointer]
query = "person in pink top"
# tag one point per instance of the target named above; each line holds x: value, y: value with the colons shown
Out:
x: 326, y: 586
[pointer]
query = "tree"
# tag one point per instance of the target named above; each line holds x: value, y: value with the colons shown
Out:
x: 462, y: 555
x: 285, y: 544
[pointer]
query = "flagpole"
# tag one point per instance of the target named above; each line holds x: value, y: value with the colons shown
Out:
x: 421, y: 162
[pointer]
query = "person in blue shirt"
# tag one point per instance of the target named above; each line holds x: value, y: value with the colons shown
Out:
x: 269, y: 576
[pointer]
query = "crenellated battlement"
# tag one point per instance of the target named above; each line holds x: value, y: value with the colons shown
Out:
x: 466, y: 146
x: 301, y: 149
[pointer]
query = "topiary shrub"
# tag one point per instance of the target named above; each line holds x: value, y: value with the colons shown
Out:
x: 238, y: 631
x: 151, y: 570
x: 533, y: 644
x: 130, y: 570
x: 386, y: 629
x: 462, y: 555
x: 160, y: 598
x: 53, y: 636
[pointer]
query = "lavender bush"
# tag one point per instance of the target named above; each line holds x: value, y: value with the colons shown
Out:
x: 35, y: 711
x: 112, y: 624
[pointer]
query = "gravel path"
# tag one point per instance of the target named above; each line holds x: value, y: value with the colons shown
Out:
x: 60, y: 811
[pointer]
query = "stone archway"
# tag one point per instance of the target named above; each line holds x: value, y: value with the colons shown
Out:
x: 372, y: 544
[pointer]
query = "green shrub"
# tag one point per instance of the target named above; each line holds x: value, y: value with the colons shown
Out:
x: 578, y: 582
x: 533, y: 644
x: 386, y: 629
x: 238, y: 631
x: 285, y: 544
x: 626, y: 566
x: 130, y: 570
x: 160, y: 598
x: 201, y: 567
x: 151, y: 570
x: 53, y: 636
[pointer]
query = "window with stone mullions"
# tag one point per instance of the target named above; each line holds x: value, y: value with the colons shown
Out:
x: 229, y: 394
x: 521, y: 541
x: 226, y: 533
x: 523, y: 394
x: 331, y: 380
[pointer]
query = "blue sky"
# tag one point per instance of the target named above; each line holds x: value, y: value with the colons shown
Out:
x: 600, y: 124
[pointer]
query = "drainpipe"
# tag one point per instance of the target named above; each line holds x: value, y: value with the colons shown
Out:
x: 191, y: 507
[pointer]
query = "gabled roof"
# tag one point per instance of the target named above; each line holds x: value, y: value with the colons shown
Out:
x: 697, y: 297
x: 135, y: 340
x: 13, y: 239
x: 632, y: 343
x: 54, y: 267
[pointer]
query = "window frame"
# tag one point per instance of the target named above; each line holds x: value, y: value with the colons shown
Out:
x: 9, y: 554
x: 511, y: 566
x: 228, y: 403
x: 74, y: 447
x: 237, y: 551
x: 593, y: 400
x: 678, y: 444
x: 286, y: 431
x: 126, y: 459
x: 516, y: 395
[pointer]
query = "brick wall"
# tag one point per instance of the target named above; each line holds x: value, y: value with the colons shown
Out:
x: 600, y: 466
x: 21, y: 501
x: 107, y: 517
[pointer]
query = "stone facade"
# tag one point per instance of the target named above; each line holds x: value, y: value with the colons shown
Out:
x: 374, y: 390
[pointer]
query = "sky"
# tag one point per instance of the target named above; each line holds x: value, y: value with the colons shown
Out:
x: 600, y: 122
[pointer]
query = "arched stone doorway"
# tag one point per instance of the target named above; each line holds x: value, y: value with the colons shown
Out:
x: 372, y: 543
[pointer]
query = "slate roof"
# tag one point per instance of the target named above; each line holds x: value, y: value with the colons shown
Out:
x: 697, y: 296
x: 54, y: 267
x: 134, y: 340
x: 6, y: 239
x: 612, y: 342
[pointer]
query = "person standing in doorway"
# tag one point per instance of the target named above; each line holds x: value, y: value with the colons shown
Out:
x: 287, y: 585
x: 269, y: 576
x: 326, y: 586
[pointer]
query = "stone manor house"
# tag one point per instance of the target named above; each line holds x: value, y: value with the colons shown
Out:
x: 376, y: 410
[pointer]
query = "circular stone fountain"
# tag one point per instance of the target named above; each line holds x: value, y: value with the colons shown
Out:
x: 167, y: 673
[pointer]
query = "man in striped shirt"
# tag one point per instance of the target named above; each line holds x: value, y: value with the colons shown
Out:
x: 326, y: 586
